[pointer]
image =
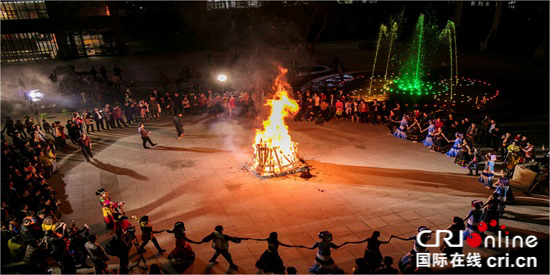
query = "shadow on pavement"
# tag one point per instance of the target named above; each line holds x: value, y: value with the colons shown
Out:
x: 190, y: 149
x: 118, y: 170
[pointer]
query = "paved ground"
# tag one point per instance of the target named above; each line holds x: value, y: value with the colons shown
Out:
x: 365, y: 180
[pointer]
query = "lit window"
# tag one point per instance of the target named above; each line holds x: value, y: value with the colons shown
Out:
x: 24, y: 10
x: 28, y: 47
x: 473, y: 3
x: 230, y: 4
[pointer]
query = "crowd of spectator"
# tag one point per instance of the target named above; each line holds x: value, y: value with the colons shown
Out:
x: 30, y: 228
x: 33, y: 233
x: 469, y: 142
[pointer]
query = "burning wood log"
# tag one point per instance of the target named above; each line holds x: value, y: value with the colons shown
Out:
x: 274, y: 151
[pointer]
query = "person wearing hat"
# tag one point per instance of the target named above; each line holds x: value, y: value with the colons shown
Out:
x: 106, y: 207
x: 323, y: 261
x: 148, y: 234
x: 182, y: 250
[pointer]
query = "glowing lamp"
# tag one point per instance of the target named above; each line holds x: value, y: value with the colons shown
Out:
x: 35, y: 95
x: 222, y: 78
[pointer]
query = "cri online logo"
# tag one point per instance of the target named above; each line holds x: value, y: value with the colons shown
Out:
x: 475, y: 240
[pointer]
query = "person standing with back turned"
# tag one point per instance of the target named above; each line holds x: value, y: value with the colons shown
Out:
x: 178, y: 123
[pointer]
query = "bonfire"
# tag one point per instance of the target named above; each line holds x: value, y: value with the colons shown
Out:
x: 275, y: 153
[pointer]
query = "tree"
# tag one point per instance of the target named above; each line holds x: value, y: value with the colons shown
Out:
x: 310, y: 19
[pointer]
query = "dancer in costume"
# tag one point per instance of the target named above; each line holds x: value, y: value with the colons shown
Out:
x: 491, y: 212
x: 323, y: 261
x: 401, y: 131
x: 474, y: 218
x: 270, y: 261
x: 408, y: 262
x: 413, y: 132
x: 453, y: 152
x: 456, y: 227
x: 438, y: 141
x: 488, y: 173
x: 429, y: 137
x: 475, y: 158
x: 148, y: 234
x: 106, y: 207
x: 417, y: 247
x: 504, y: 192
x: 220, y: 243
x: 463, y: 156
x: 182, y: 250
x: 512, y: 160
x: 372, y: 254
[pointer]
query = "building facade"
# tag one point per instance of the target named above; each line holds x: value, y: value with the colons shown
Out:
x: 42, y: 30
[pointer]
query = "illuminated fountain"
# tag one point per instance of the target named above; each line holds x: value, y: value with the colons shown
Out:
x: 408, y: 68
x: 408, y: 74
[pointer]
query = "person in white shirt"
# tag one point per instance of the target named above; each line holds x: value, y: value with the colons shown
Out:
x: 98, y: 255
x: 98, y: 117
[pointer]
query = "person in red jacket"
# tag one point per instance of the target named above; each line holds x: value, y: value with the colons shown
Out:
x: 117, y: 113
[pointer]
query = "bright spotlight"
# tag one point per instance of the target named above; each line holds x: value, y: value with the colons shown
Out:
x: 36, y: 95
x: 222, y: 78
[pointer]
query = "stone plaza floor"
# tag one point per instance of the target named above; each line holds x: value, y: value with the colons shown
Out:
x: 364, y: 180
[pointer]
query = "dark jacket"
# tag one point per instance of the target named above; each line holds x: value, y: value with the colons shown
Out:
x: 176, y: 102
x: 473, y: 132
x: 128, y: 111
x: 96, y: 116
x: 178, y: 122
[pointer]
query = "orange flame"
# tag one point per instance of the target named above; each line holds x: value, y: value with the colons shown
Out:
x: 275, y: 132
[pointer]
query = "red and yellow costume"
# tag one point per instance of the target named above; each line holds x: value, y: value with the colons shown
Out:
x: 106, y: 209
